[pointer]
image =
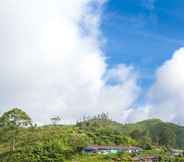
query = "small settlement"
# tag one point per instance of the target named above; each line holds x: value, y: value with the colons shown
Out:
x: 111, y: 149
x: 105, y: 150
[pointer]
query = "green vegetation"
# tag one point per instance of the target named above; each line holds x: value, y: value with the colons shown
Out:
x: 11, y: 122
x: 20, y: 141
x: 156, y: 132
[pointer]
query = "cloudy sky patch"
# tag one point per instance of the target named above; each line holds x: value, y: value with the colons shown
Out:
x: 53, y: 62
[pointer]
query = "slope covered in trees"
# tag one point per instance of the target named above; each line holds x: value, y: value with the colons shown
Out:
x: 156, y: 132
x: 152, y: 131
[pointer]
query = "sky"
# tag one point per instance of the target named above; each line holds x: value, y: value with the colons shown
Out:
x: 144, y: 33
x: 81, y: 58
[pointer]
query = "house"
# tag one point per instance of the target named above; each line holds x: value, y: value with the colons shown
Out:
x: 134, y: 149
x: 146, y: 159
x: 138, y: 159
x: 176, y: 152
x: 151, y: 159
x: 104, y: 149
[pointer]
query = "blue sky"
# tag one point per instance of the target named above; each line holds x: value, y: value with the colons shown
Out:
x: 142, y: 33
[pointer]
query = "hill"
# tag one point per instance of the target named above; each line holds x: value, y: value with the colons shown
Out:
x: 152, y: 131
x: 157, y: 132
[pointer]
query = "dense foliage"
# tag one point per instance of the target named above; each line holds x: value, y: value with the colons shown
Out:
x: 156, y: 132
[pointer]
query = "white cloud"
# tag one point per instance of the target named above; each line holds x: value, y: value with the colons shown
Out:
x: 166, y: 96
x: 136, y: 114
x: 51, y: 62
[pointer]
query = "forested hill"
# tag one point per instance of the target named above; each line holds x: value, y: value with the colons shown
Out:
x: 157, y: 132
x: 152, y: 131
x: 22, y: 141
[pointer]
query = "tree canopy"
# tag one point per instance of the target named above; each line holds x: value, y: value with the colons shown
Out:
x: 15, y: 118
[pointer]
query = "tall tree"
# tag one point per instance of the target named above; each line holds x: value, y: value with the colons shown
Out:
x: 55, y: 120
x: 12, y: 121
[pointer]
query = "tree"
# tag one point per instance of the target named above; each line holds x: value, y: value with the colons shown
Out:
x: 136, y: 134
x: 163, y: 135
x: 103, y: 116
x: 12, y: 121
x: 55, y: 120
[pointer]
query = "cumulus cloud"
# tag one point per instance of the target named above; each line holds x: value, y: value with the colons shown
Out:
x: 165, y: 98
x: 167, y: 94
x: 52, y: 63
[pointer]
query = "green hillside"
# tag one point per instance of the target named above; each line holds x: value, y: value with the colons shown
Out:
x: 156, y: 132
x: 152, y: 131
x: 21, y: 142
